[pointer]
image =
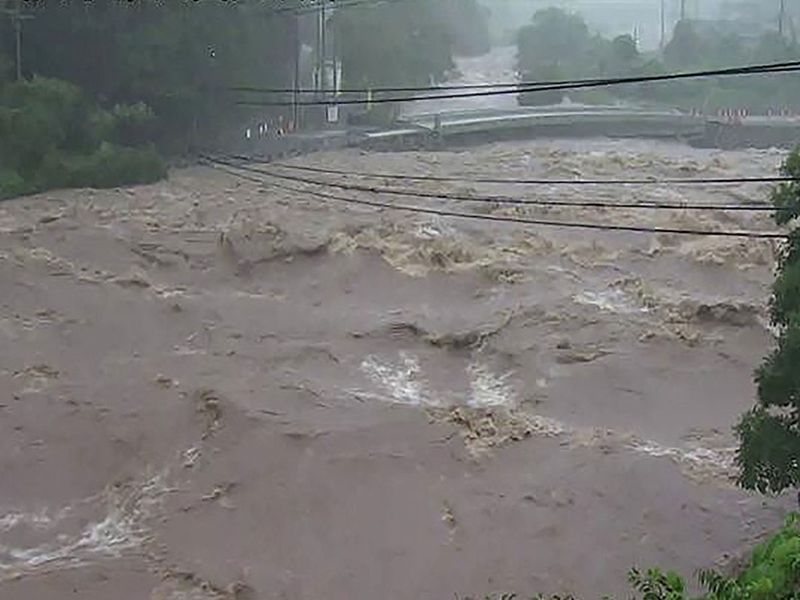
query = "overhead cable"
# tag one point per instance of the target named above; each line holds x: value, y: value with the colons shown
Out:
x: 511, y: 200
x: 513, y: 181
x: 309, y: 8
x: 528, y: 85
x: 784, y: 67
x: 235, y: 170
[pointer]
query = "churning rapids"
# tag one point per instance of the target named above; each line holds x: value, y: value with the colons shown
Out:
x: 220, y: 389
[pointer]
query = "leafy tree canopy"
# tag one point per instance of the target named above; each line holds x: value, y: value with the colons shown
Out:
x: 558, y: 40
x: 394, y: 44
x: 769, y: 434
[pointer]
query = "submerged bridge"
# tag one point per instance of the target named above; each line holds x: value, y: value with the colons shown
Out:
x: 465, y: 127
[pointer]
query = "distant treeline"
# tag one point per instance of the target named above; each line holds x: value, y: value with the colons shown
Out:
x: 559, y: 45
x: 408, y: 43
x: 112, y: 83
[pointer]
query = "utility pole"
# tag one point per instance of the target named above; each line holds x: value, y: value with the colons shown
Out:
x: 663, y: 24
x: 319, y: 84
x: 781, y: 17
x: 323, y: 50
x: 328, y: 68
x: 296, y: 78
x: 18, y: 36
x: 683, y: 10
x: 16, y: 16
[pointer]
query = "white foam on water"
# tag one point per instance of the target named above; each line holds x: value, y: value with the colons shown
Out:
x: 121, y: 529
x: 615, y: 301
x: 708, y: 463
x: 36, y: 520
x: 487, y: 388
x: 720, y: 458
x: 765, y: 322
x: 403, y: 382
x: 108, y: 537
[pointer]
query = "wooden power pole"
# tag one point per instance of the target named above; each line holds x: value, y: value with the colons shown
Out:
x: 16, y: 16
x: 296, y: 48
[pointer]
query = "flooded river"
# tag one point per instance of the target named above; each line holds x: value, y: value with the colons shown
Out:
x: 215, y: 388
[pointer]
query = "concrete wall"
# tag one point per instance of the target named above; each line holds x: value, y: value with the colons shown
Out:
x: 692, y: 130
x: 763, y: 134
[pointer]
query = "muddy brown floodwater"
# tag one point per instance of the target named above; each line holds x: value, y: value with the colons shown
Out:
x: 215, y: 389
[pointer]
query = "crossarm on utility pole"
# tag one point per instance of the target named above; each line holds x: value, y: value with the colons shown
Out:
x: 16, y: 16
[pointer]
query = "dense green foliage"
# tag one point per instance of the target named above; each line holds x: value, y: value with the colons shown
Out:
x: 772, y: 573
x: 392, y: 45
x: 409, y: 43
x: 769, y: 434
x: 109, y: 81
x: 52, y: 135
x: 177, y: 57
x: 559, y: 45
x: 147, y: 71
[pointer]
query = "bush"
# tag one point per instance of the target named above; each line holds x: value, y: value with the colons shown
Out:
x: 541, y: 73
x: 117, y: 165
x: 11, y: 184
x: 133, y: 124
x: 768, y: 456
x: 50, y: 112
x: 51, y: 136
x: 108, y: 166
x: 772, y: 573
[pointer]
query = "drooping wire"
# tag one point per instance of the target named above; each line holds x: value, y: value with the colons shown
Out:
x: 513, y: 181
x: 516, y: 85
x: 236, y: 170
x: 784, y: 67
x: 331, y: 4
x: 511, y: 200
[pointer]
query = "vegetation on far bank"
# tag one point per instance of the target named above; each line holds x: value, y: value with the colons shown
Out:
x: 112, y: 85
x: 53, y: 136
x: 559, y: 45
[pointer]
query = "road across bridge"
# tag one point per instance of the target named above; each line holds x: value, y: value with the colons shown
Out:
x: 464, y: 127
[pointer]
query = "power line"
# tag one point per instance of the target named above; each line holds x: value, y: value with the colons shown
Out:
x: 496, y: 218
x: 378, y: 90
x: 511, y: 200
x: 313, y: 8
x: 534, y: 85
x: 509, y: 181
x: 784, y: 67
